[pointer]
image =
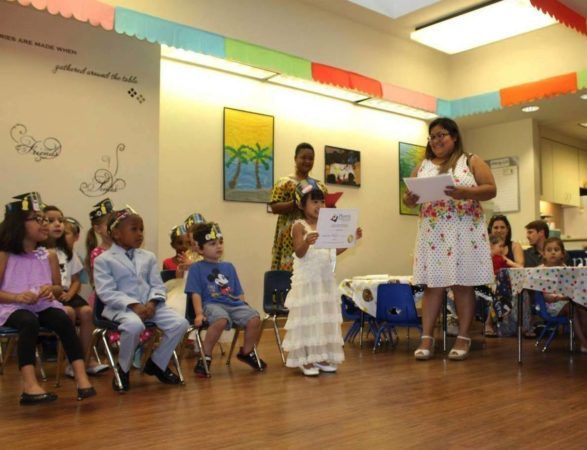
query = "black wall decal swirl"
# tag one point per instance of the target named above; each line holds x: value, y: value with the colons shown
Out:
x: 104, y: 180
x: 48, y: 148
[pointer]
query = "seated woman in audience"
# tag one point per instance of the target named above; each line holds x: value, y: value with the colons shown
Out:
x: 499, y: 225
x: 554, y: 255
x: 30, y: 283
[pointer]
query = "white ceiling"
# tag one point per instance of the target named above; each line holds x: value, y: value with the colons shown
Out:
x: 561, y: 114
x: 394, y: 8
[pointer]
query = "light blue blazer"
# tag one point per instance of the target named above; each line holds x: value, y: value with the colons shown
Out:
x: 121, y: 282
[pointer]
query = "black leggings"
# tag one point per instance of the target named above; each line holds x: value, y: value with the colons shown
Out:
x: 28, y: 325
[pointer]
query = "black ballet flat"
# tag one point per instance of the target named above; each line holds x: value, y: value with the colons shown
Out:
x: 36, y: 399
x: 83, y: 393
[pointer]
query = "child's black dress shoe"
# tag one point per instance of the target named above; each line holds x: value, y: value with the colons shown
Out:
x: 83, y: 393
x: 166, y: 376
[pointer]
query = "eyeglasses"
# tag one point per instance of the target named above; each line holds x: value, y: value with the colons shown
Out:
x: 41, y: 220
x: 437, y: 136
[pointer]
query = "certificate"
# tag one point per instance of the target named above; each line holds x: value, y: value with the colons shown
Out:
x: 430, y: 189
x: 336, y: 228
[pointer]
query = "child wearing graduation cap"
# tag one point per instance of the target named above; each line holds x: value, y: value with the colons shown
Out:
x: 30, y: 284
x: 98, y: 240
x: 129, y: 284
x: 218, y: 298
x: 180, y: 242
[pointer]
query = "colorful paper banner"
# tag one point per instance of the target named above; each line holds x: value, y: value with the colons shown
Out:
x: 265, y: 58
x: 169, y: 33
x: 549, y: 87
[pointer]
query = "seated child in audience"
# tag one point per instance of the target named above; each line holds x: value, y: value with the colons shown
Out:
x: 189, y: 223
x: 70, y: 267
x: 99, y: 216
x: 314, y: 339
x: 554, y: 255
x: 30, y: 283
x: 497, y: 244
x: 180, y: 241
x: 218, y: 298
x: 129, y: 284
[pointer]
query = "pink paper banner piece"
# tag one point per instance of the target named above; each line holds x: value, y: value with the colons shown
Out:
x: 408, y: 97
x: 92, y: 11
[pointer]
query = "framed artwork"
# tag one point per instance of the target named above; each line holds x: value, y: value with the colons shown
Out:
x: 410, y: 155
x: 342, y: 166
x: 248, y: 156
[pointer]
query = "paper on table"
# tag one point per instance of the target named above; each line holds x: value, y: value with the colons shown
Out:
x: 430, y: 189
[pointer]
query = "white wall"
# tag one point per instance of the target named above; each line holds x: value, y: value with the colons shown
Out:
x: 89, y: 115
x: 512, y: 139
x: 192, y: 102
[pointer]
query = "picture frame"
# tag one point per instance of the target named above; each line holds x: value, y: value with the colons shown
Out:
x: 342, y: 166
x: 248, y: 156
x: 409, y: 155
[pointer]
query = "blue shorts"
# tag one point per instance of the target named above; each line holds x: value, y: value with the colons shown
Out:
x: 239, y: 315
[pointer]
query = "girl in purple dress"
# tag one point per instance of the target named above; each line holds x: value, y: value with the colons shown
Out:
x: 30, y: 282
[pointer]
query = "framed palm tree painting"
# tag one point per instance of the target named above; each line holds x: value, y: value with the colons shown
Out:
x: 248, y: 156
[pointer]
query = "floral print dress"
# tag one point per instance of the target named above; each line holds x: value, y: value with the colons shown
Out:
x: 283, y: 191
x: 452, y: 246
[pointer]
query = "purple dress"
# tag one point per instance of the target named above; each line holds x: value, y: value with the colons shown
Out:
x: 27, y: 272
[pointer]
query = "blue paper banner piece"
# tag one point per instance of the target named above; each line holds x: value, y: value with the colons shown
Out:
x: 154, y: 29
x: 475, y: 104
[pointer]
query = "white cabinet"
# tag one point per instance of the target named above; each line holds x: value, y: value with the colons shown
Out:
x: 583, y: 168
x: 561, y: 173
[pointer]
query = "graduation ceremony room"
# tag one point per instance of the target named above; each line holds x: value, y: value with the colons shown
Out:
x: 293, y: 224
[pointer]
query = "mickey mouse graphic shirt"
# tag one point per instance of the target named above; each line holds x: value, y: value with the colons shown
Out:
x: 214, y: 282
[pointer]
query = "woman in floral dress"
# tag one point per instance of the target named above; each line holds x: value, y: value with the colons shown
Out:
x: 282, y: 203
x: 452, y: 248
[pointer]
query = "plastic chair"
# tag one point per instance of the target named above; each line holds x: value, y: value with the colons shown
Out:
x: 190, y: 316
x: 276, y: 285
x: 167, y: 275
x: 551, y: 323
x: 103, y: 326
x: 395, y: 308
x: 11, y: 335
x: 350, y: 312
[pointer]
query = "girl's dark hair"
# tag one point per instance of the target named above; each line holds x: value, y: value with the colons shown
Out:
x: 303, y: 146
x: 92, y: 240
x: 13, y: 232
x: 314, y: 194
x: 453, y: 129
x: 504, y: 219
x: 555, y: 240
x: 60, y: 243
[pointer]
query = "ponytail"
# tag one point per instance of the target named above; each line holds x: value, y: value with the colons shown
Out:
x: 91, y: 244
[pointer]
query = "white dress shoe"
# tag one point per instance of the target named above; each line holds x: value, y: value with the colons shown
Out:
x: 310, y: 371
x: 328, y: 368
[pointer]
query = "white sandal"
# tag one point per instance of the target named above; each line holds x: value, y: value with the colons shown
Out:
x: 424, y: 354
x: 460, y: 355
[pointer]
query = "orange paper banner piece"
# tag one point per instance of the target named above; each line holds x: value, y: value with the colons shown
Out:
x: 549, y: 87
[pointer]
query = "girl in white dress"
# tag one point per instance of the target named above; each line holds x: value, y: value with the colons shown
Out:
x: 314, y: 339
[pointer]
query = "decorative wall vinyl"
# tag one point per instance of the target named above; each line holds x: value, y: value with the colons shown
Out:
x: 105, y: 181
x: 48, y: 148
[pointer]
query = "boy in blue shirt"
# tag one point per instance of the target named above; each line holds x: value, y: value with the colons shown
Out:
x: 218, y: 298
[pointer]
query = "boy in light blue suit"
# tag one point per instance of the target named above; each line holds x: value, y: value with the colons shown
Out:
x: 129, y: 284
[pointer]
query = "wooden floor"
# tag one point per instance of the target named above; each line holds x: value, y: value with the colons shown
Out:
x: 382, y: 400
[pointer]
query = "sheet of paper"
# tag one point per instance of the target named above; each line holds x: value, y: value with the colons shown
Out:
x: 336, y: 228
x: 430, y: 189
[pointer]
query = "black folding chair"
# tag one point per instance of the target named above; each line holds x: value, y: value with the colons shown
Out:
x: 276, y: 285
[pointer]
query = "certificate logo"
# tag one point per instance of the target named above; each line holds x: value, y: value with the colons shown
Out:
x: 350, y: 238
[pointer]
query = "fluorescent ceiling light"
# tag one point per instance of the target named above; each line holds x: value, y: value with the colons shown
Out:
x: 583, y: 124
x: 491, y: 22
x: 398, y: 108
x: 318, y: 88
x: 214, y: 63
x: 531, y: 108
x: 395, y: 8
x: 583, y: 97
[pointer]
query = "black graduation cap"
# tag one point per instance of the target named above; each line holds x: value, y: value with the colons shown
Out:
x: 31, y: 201
x: 101, y: 209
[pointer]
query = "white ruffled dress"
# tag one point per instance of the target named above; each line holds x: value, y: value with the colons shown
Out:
x: 314, y: 320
